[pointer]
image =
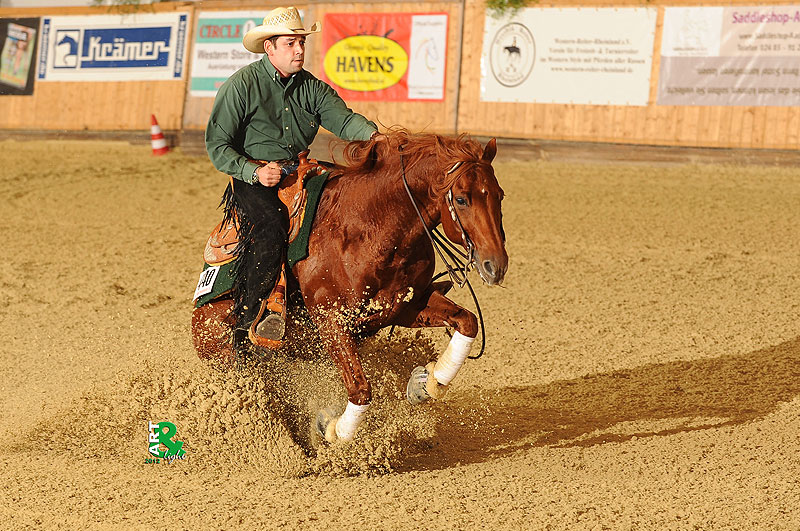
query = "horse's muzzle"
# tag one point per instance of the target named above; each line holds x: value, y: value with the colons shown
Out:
x: 492, y: 270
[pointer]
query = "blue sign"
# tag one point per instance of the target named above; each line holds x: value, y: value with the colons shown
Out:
x: 126, y: 48
x: 147, y: 47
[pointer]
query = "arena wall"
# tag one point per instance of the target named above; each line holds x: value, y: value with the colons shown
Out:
x: 729, y: 126
x: 415, y: 115
x: 123, y: 106
x: 104, y: 106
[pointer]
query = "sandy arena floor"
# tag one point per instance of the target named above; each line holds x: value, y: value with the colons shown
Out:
x: 642, y: 368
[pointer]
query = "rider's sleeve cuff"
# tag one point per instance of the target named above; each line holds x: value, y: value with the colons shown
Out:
x: 247, y: 171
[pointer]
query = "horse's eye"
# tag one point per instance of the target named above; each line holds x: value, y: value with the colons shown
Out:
x: 460, y: 201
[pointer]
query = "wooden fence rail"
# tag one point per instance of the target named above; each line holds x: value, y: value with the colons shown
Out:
x: 119, y: 106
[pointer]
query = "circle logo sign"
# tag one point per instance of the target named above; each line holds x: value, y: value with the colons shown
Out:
x: 512, y: 54
x: 365, y: 63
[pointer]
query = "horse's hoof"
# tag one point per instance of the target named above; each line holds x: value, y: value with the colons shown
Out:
x: 326, y: 424
x: 422, y: 385
x: 416, y: 390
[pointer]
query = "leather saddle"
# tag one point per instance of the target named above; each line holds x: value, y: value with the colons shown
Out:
x: 221, y: 247
x: 222, y: 242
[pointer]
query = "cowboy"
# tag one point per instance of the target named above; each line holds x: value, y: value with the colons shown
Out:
x: 270, y: 110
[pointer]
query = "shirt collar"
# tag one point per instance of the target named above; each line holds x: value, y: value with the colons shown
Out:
x: 272, y: 72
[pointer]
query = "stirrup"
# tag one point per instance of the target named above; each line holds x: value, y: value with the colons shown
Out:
x: 269, y: 326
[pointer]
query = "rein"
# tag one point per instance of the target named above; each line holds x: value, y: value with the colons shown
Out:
x: 462, y: 261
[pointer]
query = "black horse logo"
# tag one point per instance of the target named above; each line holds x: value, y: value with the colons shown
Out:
x: 514, y: 55
x: 513, y: 49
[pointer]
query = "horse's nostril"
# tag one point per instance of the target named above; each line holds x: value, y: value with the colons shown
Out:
x: 488, y: 266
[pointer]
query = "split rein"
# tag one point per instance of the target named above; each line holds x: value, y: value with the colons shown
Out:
x: 456, y: 262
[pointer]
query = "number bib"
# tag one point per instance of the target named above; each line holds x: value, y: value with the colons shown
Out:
x: 214, y: 282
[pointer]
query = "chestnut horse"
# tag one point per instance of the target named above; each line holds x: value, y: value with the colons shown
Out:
x: 371, y: 261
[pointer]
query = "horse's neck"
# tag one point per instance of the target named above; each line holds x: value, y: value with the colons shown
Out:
x: 420, y: 185
x: 385, y: 190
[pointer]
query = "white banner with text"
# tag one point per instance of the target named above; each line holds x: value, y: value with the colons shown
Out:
x: 730, y: 56
x: 595, y: 56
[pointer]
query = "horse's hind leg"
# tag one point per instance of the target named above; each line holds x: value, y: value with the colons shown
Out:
x: 432, y: 380
x: 212, y: 326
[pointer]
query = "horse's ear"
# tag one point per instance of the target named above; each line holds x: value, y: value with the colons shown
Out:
x: 490, y: 150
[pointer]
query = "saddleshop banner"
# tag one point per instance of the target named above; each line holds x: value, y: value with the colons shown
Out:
x: 218, y: 50
x: 595, y: 56
x: 730, y: 56
x: 385, y: 56
x: 134, y: 47
x: 17, y: 55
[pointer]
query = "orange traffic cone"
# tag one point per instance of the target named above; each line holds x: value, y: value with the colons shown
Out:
x: 157, y: 137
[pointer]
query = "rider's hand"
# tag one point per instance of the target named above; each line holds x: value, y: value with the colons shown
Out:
x: 269, y: 174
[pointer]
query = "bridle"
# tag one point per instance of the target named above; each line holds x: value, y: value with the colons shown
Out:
x: 456, y: 262
x: 469, y: 256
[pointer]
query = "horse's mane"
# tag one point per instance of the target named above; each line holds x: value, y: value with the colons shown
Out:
x: 369, y: 157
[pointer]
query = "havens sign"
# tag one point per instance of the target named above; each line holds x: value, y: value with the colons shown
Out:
x: 385, y: 56
x: 365, y: 63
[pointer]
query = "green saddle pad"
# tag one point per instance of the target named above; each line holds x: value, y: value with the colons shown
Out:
x: 298, y: 249
x: 216, y: 281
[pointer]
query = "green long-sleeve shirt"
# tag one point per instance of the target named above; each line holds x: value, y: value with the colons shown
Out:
x: 256, y: 115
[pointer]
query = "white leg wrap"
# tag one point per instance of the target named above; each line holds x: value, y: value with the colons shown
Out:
x: 348, y: 423
x: 450, y: 362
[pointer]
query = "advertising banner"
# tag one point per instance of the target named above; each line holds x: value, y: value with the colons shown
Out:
x: 17, y: 53
x: 730, y: 56
x: 134, y: 47
x: 597, y: 56
x: 385, y: 56
x: 218, y: 50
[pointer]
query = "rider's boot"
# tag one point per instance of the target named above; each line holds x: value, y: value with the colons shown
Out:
x: 269, y: 326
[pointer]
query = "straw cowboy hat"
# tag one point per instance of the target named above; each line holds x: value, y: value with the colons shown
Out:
x: 279, y: 21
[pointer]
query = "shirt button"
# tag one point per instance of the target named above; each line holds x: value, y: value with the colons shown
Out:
x: 286, y: 109
x: 290, y: 145
x: 287, y: 127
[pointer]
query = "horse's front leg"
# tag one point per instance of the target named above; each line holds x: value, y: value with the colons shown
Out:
x: 341, y: 345
x: 432, y: 380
